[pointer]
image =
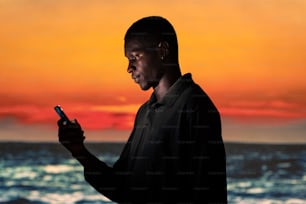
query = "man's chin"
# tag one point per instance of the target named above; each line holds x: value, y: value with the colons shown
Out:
x: 144, y: 87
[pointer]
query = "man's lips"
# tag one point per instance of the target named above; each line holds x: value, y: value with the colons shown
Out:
x: 136, y: 78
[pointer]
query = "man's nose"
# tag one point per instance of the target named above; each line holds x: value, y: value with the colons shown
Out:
x: 131, y: 67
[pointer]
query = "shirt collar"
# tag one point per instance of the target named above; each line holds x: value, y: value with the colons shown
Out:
x: 173, y: 92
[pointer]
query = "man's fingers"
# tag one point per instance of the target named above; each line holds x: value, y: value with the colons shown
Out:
x: 60, y: 122
x: 68, y: 124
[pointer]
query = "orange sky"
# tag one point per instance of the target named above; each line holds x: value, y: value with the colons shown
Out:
x: 249, y: 56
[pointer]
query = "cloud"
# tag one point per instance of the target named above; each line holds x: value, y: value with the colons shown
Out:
x: 90, y: 117
x: 264, y: 110
x: 38, y: 133
x: 245, y: 122
x: 122, y: 116
x: 287, y: 133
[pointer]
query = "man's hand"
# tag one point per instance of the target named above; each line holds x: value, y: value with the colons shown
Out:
x: 71, y: 136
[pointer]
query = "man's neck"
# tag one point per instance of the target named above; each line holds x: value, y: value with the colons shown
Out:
x: 165, y: 83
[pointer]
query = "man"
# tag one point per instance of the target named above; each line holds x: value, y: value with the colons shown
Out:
x: 175, y: 153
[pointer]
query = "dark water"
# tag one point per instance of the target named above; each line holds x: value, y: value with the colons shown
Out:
x: 43, y: 173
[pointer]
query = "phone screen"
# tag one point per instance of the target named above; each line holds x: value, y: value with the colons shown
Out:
x: 61, y: 113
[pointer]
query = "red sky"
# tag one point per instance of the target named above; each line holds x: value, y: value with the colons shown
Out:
x: 249, y: 56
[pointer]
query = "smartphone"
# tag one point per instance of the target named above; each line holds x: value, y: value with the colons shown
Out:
x: 59, y: 110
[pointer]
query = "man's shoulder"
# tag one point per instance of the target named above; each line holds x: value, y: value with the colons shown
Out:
x: 191, y: 86
x: 143, y: 106
x: 194, y: 91
x: 194, y: 95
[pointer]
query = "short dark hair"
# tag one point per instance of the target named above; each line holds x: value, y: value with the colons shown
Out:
x: 152, y: 30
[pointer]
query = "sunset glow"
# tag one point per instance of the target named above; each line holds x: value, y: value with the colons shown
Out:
x: 249, y: 56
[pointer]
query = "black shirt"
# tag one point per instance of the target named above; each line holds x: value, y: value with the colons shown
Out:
x: 175, y: 153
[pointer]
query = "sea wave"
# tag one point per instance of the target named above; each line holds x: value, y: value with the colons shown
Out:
x: 47, y: 174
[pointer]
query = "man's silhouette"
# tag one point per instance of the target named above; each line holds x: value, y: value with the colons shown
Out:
x: 175, y: 153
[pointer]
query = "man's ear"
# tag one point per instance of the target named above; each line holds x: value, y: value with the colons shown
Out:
x: 164, y: 49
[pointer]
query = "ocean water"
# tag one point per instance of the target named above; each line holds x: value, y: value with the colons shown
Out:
x: 45, y: 173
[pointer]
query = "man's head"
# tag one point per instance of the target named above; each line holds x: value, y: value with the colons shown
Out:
x: 152, y: 49
x: 152, y: 30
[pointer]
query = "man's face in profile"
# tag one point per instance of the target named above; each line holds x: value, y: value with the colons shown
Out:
x: 145, y: 65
